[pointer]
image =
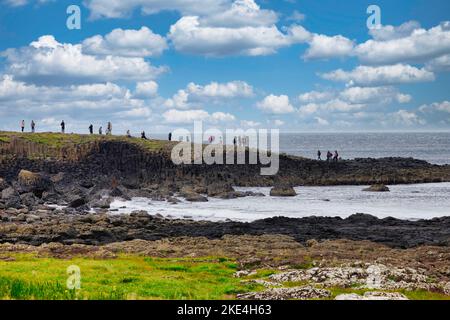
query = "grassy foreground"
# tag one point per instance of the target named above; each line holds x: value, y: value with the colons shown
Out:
x: 127, y: 277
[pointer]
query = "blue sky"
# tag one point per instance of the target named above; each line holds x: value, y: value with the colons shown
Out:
x: 297, y: 65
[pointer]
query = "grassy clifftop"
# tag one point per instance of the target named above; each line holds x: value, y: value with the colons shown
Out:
x: 59, y: 140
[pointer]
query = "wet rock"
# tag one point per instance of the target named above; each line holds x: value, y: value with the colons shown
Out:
x: 283, y: 191
x: 11, y: 198
x: 50, y: 197
x: 140, y: 214
x: 120, y: 192
x: 299, y: 293
x: 377, y: 188
x: 218, y: 189
x: 77, y: 202
x: 104, y: 203
x: 3, y: 184
x: 373, y: 296
x: 29, y: 199
x: 195, y: 197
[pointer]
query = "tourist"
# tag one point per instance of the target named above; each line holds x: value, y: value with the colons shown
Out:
x: 329, y: 156
x: 22, y: 125
x: 91, y: 129
x: 100, y: 130
x: 336, y: 156
x: 319, y: 155
x: 33, y: 126
x: 128, y: 134
x: 170, y: 136
x: 109, y: 129
x: 234, y: 141
x: 63, y: 127
x: 143, y: 136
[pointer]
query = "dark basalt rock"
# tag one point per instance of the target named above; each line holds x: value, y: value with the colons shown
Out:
x: 377, y: 188
x: 283, y: 191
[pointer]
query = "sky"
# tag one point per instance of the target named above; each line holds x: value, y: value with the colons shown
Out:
x: 293, y: 65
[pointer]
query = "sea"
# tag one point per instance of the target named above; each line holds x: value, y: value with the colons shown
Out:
x: 408, y: 202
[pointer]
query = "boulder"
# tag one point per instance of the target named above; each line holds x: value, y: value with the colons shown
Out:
x: 377, y: 188
x: 303, y: 293
x: 3, y: 184
x: 103, y: 203
x: 283, y: 191
x: 195, y: 197
x: 11, y: 198
x: 219, y: 189
x: 77, y: 202
x: 29, y: 199
x: 372, y: 296
x: 34, y: 182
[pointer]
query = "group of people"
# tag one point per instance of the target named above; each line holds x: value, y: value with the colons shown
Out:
x: 32, y: 124
x: 100, y: 129
x: 330, y: 156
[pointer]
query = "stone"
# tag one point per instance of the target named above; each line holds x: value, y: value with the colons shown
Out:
x: 218, y: 189
x: 3, y: 184
x: 34, y: 182
x: 194, y: 197
x: 298, y: 293
x: 11, y: 198
x: 77, y: 202
x: 373, y: 296
x: 283, y: 191
x: 377, y: 188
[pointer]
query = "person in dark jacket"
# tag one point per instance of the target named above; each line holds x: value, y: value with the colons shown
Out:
x: 91, y: 129
x: 63, y: 127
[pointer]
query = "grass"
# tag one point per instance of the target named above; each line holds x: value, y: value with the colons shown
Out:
x: 58, y: 140
x: 127, y: 277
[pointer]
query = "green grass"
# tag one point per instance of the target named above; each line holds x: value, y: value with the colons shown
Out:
x: 58, y: 140
x: 127, y: 277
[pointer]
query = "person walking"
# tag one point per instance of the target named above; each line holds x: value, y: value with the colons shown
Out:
x: 336, y: 156
x: 22, y: 125
x: 319, y: 155
x: 329, y: 156
x: 143, y: 136
x: 128, y: 134
x: 170, y: 136
x: 33, y: 126
x: 91, y: 129
x: 100, y: 130
x: 63, y: 127
x: 109, y: 129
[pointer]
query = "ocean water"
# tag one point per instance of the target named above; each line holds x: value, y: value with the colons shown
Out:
x: 433, y: 147
x: 408, y: 202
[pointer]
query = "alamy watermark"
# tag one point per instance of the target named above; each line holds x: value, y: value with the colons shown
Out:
x: 374, y: 20
x: 234, y: 147
x: 74, y: 279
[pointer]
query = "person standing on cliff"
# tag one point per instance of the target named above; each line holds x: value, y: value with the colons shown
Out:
x: 91, y: 129
x: 336, y: 156
x: 319, y: 155
x: 143, y: 136
x: 170, y: 136
x: 100, y: 130
x: 63, y: 127
x: 33, y: 126
x: 109, y: 129
x: 22, y: 125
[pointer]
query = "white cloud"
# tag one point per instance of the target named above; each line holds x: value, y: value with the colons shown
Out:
x: 437, y: 106
x: 296, y: 16
x: 241, y: 13
x: 188, y: 35
x: 278, y: 123
x: 250, y: 124
x: 386, y: 33
x: 315, y: 96
x: 324, y: 47
x: 127, y: 43
x: 276, y: 104
x: 440, y: 64
x: 321, y: 121
x: 380, y: 95
x: 212, y: 92
x: 50, y: 62
x: 383, y: 75
x: 174, y: 116
x: 407, y: 117
x: 420, y: 45
x: 147, y: 89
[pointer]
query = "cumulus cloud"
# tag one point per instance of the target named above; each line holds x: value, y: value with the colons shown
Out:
x: 276, y: 105
x: 440, y: 64
x: 212, y: 92
x: 382, y: 75
x: 147, y: 89
x: 324, y: 47
x: 407, y: 118
x: 174, y: 116
x: 386, y: 33
x: 127, y: 43
x: 380, y: 95
x: 49, y: 62
x: 188, y: 35
x: 437, y: 106
x: 315, y: 96
x: 405, y: 44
